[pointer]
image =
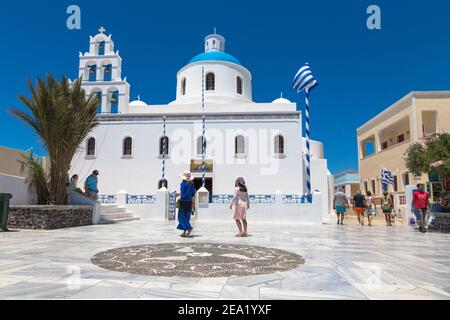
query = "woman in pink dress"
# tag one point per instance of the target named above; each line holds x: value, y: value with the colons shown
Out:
x: 240, y: 204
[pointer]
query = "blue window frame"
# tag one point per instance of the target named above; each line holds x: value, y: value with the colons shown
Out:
x: 101, y: 48
x: 93, y: 73
x: 114, y: 102
x: 107, y: 72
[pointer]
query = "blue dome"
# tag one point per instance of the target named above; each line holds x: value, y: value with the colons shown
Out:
x: 214, y: 56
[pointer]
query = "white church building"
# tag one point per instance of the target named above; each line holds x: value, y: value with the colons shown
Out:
x: 135, y: 140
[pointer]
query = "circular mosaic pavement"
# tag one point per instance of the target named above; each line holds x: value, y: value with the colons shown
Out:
x: 197, y: 260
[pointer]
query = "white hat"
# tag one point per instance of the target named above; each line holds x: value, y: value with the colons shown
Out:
x: 186, y: 176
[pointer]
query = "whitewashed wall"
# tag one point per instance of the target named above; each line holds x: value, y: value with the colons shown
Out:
x: 225, y: 83
x: 140, y: 174
x: 17, y: 187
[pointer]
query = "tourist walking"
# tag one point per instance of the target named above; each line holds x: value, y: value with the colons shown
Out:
x: 387, y: 206
x: 90, y: 185
x: 371, y: 209
x: 187, y: 202
x: 421, y: 202
x: 359, y: 206
x: 240, y: 205
x: 340, y: 204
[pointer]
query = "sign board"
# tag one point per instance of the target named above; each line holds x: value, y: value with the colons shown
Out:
x: 196, y: 166
x: 433, y: 177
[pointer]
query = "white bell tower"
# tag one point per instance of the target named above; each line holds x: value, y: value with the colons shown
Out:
x: 214, y: 42
x: 101, y: 71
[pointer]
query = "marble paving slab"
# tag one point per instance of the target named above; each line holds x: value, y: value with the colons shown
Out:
x: 341, y: 262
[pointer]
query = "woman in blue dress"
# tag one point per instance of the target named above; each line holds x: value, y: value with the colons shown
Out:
x: 187, y: 202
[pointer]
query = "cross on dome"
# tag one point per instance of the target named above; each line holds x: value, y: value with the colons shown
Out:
x: 102, y: 30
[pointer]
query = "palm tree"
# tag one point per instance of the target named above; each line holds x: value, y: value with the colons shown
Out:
x: 37, y: 178
x: 62, y: 117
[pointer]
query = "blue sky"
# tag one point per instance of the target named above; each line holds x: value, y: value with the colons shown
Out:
x: 361, y: 71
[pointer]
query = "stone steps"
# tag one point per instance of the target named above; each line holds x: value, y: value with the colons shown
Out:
x: 113, y: 209
x: 115, y: 214
x: 117, y: 220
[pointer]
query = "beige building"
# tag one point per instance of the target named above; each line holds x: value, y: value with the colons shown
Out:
x: 9, y: 161
x: 383, y: 140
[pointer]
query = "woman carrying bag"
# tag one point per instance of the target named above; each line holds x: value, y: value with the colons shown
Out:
x: 186, y: 203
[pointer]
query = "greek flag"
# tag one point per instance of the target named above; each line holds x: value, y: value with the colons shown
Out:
x: 386, y: 177
x: 304, y: 79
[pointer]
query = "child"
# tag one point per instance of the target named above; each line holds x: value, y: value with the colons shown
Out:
x: 387, y: 206
x: 371, y: 210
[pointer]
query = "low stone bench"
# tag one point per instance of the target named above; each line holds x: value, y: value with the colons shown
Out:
x: 441, y: 222
x: 49, y: 217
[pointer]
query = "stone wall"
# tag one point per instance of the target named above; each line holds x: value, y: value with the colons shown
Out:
x: 49, y: 217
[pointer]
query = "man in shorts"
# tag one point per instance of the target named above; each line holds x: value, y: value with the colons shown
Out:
x: 421, y: 202
x: 340, y: 204
x: 359, y: 206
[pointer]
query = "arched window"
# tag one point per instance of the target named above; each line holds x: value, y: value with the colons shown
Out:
x: 92, y: 73
x: 114, y: 101
x: 107, y: 72
x: 279, y: 144
x: 101, y: 48
x: 183, y: 86
x: 162, y: 183
x: 239, y: 145
x: 210, y: 82
x: 164, y: 146
x: 238, y: 85
x: 200, y: 145
x: 90, y: 148
x: 98, y: 95
x: 127, y: 146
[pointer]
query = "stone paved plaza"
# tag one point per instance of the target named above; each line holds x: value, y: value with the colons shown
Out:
x: 340, y: 262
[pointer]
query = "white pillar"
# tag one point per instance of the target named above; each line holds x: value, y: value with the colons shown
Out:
x: 278, y: 197
x: 348, y: 190
x: 96, y: 212
x: 413, y: 122
x: 409, y: 198
x: 122, y: 198
x: 162, y: 203
x: 202, y: 198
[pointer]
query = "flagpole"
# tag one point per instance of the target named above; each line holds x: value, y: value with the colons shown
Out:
x: 308, y: 142
x: 304, y: 80
x: 164, y: 147
x: 203, y: 129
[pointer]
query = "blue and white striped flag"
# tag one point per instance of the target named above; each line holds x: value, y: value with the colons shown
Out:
x: 386, y: 177
x: 304, y: 79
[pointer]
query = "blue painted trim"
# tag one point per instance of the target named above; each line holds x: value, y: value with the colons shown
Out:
x: 107, y: 199
x: 115, y: 106
x: 93, y: 73
x: 141, y: 199
x: 101, y: 48
x: 107, y: 72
